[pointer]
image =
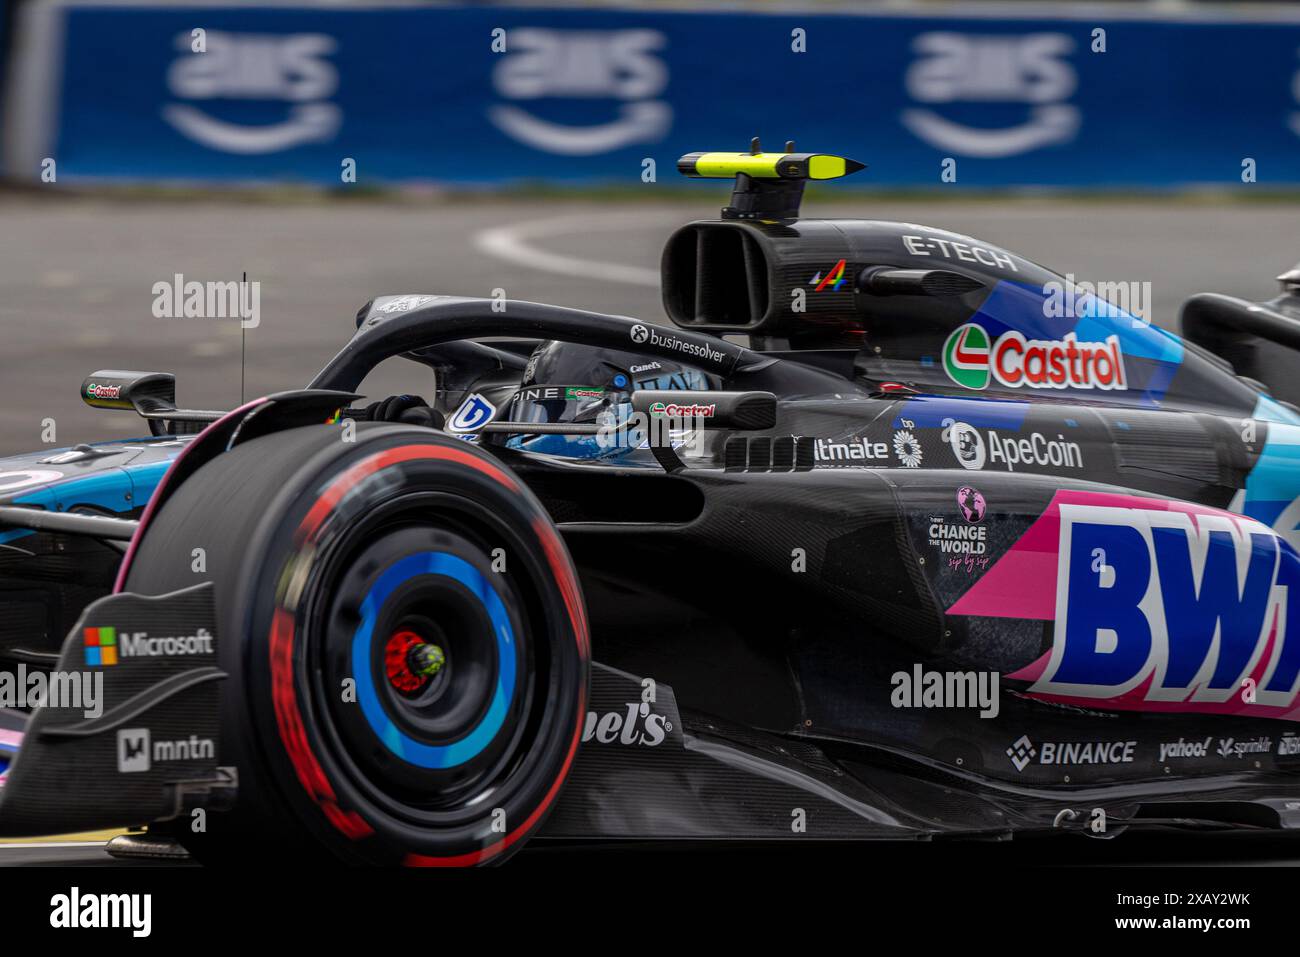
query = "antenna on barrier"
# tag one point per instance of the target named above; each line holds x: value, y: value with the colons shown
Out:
x: 768, y: 186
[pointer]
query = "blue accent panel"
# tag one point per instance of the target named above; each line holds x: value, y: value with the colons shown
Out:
x: 393, y: 738
x: 1151, y: 355
x: 1271, y: 410
x: 116, y: 489
x: 928, y: 412
x: 1274, y: 482
x: 145, y: 479
x: 108, y: 489
x: 1029, y: 311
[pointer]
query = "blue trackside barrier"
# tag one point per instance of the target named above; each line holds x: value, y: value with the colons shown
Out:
x: 493, y: 95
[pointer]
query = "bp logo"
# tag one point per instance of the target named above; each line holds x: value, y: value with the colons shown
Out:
x: 966, y: 356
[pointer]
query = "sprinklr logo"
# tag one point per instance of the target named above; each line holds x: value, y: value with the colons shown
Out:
x: 1230, y: 747
x: 972, y: 361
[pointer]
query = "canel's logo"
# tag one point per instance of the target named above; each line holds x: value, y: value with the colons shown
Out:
x: 972, y: 361
x: 639, y: 725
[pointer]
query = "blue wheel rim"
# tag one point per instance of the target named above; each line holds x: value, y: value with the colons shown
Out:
x: 394, y: 738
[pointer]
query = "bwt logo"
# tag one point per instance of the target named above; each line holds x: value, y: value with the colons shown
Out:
x: 256, y: 67
x: 1030, y: 68
x: 583, y: 65
x: 1173, y: 607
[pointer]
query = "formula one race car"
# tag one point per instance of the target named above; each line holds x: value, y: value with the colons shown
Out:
x: 950, y: 548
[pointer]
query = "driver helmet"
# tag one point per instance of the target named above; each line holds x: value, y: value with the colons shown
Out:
x: 566, y: 382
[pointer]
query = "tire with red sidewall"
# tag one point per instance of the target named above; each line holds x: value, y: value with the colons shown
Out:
x: 405, y: 639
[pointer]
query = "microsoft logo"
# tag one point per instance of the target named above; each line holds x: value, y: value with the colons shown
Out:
x: 101, y: 646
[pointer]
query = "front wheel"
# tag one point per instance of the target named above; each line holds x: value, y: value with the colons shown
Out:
x: 405, y: 637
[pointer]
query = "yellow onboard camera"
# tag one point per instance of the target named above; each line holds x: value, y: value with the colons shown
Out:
x: 769, y: 186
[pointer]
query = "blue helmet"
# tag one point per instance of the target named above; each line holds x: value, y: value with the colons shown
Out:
x: 565, y: 382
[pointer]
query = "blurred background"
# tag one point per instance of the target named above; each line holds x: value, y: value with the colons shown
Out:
x: 336, y: 151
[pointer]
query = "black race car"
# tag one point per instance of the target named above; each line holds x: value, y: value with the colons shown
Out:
x: 952, y: 547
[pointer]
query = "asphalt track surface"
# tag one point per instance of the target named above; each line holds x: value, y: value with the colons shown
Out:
x: 76, y: 294
x: 77, y: 276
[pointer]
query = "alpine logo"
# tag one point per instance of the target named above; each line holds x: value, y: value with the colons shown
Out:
x: 833, y: 279
x: 972, y: 361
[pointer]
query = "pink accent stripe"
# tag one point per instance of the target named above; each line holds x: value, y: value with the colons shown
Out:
x: 1022, y: 584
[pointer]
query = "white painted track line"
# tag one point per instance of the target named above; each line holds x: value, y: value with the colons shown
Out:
x: 514, y: 244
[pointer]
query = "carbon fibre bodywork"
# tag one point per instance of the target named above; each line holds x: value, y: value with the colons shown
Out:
x: 989, y: 569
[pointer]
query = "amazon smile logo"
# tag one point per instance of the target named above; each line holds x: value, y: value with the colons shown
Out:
x: 292, y: 67
x: 540, y: 69
x: 956, y: 68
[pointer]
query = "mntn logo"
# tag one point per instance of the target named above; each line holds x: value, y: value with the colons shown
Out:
x: 101, y: 646
x: 133, y: 752
x: 1173, y: 607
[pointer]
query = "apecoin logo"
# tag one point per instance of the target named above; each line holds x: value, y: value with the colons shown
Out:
x: 967, y: 444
